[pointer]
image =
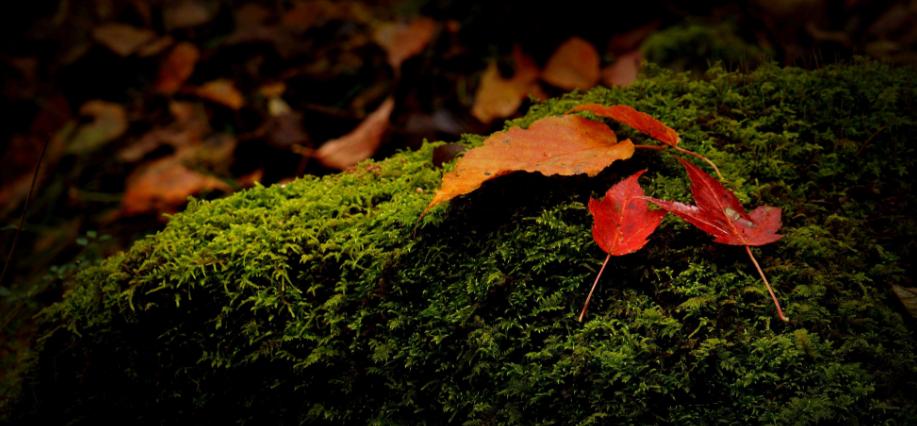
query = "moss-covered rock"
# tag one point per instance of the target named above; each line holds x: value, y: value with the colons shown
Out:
x: 319, y: 301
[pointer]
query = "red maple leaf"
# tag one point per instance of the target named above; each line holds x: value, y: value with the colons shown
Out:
x: 719, y: 213
x: 622, y: 219
x: 622, y: 223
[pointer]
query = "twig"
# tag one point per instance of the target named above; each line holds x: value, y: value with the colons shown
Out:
x: 25, y: 210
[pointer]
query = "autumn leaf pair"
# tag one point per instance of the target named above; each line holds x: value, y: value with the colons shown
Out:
x: 623, y: 220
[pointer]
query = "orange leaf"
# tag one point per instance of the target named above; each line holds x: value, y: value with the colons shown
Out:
x: 188, y: 13
x: 359, y: 144
x: 222, y: 92
x: 155, y: 47
x: 309, y: 14
x: 401, y: 41
x: 498, y: 97
x: 574, y: 65
x: 566, y: 145
x: 640, y: 121
x: 177, y: 67
x: 164, y: 185
x: 109, y: 122
x: 122, y: 39
x: 623, y: 71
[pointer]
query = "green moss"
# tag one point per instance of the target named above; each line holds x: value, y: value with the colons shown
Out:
x: 319, y: 301
x: 696, y: 46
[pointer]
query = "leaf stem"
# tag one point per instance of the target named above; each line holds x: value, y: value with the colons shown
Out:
x: 700, y: 157
x: 684, y: 151
x: 582, y: 313
x: 767, y: 284
x: 652, y: 147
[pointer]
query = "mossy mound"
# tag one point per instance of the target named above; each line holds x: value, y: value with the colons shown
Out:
x: 317, y: 301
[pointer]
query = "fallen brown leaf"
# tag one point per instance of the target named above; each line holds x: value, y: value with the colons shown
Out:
x: 272, y: 90
x: 359, y: 144
x: 221, y: 91
x: 631, y: 40
x: 155, y: 47
x: 251, y: 15
x: 565, y: 145
x: 908, y: 298
x: 188, y: 129
x: 163, y: 185
x: 122, y: 39
x: 623, y: 71
x: 403, y: 40
x: 176, y: 68
x: 574, y: 65
x: 308, y: 14
x: 188, y: 13
x: 498, y: 97
x: 109, y: 122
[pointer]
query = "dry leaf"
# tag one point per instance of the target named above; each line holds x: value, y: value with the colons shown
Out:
x: 163, y: 185
x: 187, y: 130
x: 908, y: 298
x: 272, y: 90
x: 623, y: 71
x: 498, y: 97
x: 308, y: 14
x: 574, y: 65
x: 251, y: 15
x: 359, y: 144
x: 249, y: 180
x: 109, y: 122
x: 401, y: 41
x: 221, y: 91
x: 176, y: 68
x: 188, y: 13
x: 156, y: 47
x: 122, y: 39
x: 566, y: 145
x: 631, y: 40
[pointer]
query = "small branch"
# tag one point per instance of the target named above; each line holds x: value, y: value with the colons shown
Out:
x: 582, y: 314
x: 702, y: 158
x: 768, y: 285
x: 25, y: 211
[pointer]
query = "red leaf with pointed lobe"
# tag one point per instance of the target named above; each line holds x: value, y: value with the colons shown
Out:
x: 622, y: 219
x: 622, y: 223
x: 640, y: 121
x: 719, y: 213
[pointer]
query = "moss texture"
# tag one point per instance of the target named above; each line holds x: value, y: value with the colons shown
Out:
x: 317, y: 301
x: 694, y: 47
